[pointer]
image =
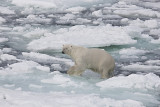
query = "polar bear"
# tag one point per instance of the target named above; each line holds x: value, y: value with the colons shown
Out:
x: 89, y: 58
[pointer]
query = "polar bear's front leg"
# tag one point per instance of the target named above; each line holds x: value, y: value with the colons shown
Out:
x: 75, y: 70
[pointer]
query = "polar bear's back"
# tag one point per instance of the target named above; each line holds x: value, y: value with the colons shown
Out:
x: 96, y: 57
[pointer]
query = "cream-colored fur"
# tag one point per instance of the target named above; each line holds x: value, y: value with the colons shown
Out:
x: 90, y: 58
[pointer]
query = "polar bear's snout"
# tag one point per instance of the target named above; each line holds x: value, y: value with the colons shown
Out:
x: 64, y: 51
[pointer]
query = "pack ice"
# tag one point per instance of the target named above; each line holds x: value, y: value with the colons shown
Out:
x: 33, y: 70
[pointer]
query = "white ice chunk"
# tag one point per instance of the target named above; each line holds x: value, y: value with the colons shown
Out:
x: 61, y: 80
x: 36, y: 33
x: 3, y: 40
x: 2, y: 20
x: 5, y: 10
x: 35, y: 86
x: 43, y: 58
x: 5, y: 28
x: 57, y: 79
x: 23, y: 67
x: 82, y: 21
x: 93, y: 36
x: 32, y: 99
x: 1, y: 52
x: 76, y: 9
x: 35, y: 3
x: 143, y: 82
x: 155, y: 32
x: 18, y: 28
x: 57, y: 67
x: 153, y: 62
x: 43, y: 68
x: 9, y: 85
x: 151, y: 23
x: 97, y: 13
x: 152, y: 4
x: 144, y: 24
x: 132, y: 51
x: 157, y: 41
x: 124, y: 20
x: 146, y: 36
x: 35, y: 19
x: 68, y: 17
x: 7, y: 50
x: 140, y: 67
x: 7, y: 57
x: 137, y: 12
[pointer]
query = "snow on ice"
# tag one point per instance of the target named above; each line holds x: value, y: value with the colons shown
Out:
x: 87, y: 36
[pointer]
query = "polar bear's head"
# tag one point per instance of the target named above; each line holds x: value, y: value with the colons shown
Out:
x: 67, y: 49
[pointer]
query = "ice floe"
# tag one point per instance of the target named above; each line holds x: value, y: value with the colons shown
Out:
x: 35, y: 3
x: 128, y: 29
x: 61, y: 80
x: 76, y: 9
x: 151, y: 23
x: 97, y: 36
x: 6, y: 57
x: 132, y: 51
x: 97, y: 13
x: 5, y: 10
x: 153, y: 62
x: 2, y: 20
x: 31, y: 99
x: 36, y: 33
x: 148, y: 82
x: 43, y: 58
x: 129, y: 10
x: 23, y: 67
x: 3, y: 40
x: 141, y: 67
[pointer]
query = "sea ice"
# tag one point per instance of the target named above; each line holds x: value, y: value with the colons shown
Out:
x: 76, y: 9
x: 36, y: 33
x: 31, y: 99
x: 94, y: 36
x: 5, y: 10
x: 7, y: 57
x: 97, y: 13
x: 155, y: 41
x: 3, y: 40
x: 43, y: 68
x: 132, y: 51
x: 134, y: 81
x: 7, y: 50
x: 35, y: 3
x: 34, y: 19
x: 134, y: 11
x: 155, y: 32
x: 23, y: 67
x: 141, y: 67
x: 26, y: 77
x: 151, y: 23
x: 43, y: 58
x: 2, y: 20
x: 153, y: 62
x: 35, y: 86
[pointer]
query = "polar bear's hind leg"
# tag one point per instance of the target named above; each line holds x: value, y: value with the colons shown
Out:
x: 75, y: 70
x: 107, y: 73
